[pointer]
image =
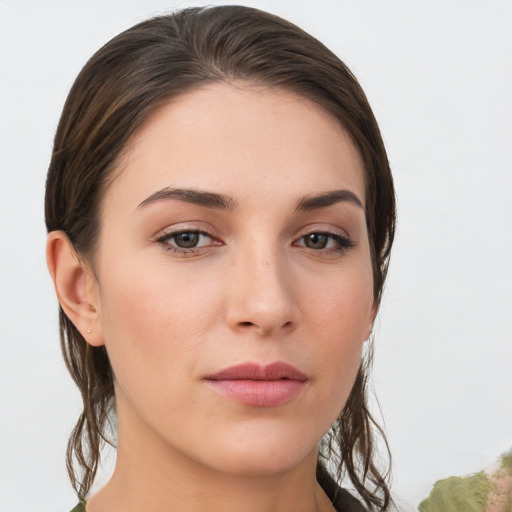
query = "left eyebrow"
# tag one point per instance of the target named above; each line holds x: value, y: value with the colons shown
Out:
x: 327, y: 199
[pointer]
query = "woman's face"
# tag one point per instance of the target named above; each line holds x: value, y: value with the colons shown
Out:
x: 234, y: 279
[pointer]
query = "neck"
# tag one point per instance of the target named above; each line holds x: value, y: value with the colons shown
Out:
x: 164, y: 486
x: 150, y: 475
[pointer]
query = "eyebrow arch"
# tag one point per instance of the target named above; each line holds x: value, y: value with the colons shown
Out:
x: 188, y: 195
x: 328, y: 199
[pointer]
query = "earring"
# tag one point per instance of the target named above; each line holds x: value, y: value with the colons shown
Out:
x: 89, y: 331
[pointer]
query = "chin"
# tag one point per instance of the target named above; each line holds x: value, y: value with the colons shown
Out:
x: 262, y: 456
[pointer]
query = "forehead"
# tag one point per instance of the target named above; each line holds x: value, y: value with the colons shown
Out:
x: 240, y: 138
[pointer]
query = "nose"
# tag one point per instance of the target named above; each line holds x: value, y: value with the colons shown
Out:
x: 263, y: 298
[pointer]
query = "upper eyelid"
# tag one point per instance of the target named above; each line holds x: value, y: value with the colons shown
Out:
x: 184, y: 227
x: 177, y: 231
x: 330, y: 230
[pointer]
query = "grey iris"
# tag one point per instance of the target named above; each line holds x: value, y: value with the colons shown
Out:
x: 187, y: 240
x: 315, y: 241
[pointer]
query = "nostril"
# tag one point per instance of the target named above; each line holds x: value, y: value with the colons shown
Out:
x: 286, y: 325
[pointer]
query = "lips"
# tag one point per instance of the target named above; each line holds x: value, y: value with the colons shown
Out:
x: 258, y: 386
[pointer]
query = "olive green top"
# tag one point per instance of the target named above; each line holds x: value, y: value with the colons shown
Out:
x: 456, y: 494
x: 80, y: 507
x: 473, y: 493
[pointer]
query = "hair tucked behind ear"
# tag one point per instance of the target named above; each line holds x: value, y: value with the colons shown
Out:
x: 116, y: 91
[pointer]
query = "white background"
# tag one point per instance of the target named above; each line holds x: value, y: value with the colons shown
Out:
x: 439, y: 77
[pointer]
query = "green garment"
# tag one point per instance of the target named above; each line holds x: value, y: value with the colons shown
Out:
x: 80, y: 507
x: 456, y: 494
x: 468, y: 494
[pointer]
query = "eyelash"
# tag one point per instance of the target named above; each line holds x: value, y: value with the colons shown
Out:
x: 343, y: 242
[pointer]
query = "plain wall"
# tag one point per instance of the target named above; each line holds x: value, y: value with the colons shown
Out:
x: 439, y: 77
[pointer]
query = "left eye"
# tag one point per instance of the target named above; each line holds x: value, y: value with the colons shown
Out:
x: 319, y: 241
x: 316, y: 240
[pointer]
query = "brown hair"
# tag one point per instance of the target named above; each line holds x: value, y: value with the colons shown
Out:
x: 116, y: 91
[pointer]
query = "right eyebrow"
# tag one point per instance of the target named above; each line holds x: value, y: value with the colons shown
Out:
x: 189, y: 195
x: 327, y: 199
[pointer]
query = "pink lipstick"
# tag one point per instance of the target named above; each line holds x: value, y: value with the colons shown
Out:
x: 257, y: 385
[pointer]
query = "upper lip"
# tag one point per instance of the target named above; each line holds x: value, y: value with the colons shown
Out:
x: 255, y: 371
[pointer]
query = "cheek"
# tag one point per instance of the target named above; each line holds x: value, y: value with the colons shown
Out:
x: 147, y: 295
x: 154, y: 322
x: 342, y: 318
x: 342, y: 306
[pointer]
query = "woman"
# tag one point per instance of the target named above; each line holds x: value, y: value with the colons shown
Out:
x: 220, y: 213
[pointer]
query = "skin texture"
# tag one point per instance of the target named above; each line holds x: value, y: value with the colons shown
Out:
x: 252, y: 291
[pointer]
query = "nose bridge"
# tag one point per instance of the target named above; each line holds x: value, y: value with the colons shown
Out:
x: 263, y: 296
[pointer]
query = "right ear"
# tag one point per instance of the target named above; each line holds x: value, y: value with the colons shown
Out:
x: 75, y: 285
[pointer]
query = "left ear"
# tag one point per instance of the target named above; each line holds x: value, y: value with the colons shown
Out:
x: 76, y: 287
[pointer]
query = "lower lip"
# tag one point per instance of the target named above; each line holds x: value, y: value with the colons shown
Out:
x: 258, y: 393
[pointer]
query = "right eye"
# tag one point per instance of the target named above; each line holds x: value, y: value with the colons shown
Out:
x: 187, y: 242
